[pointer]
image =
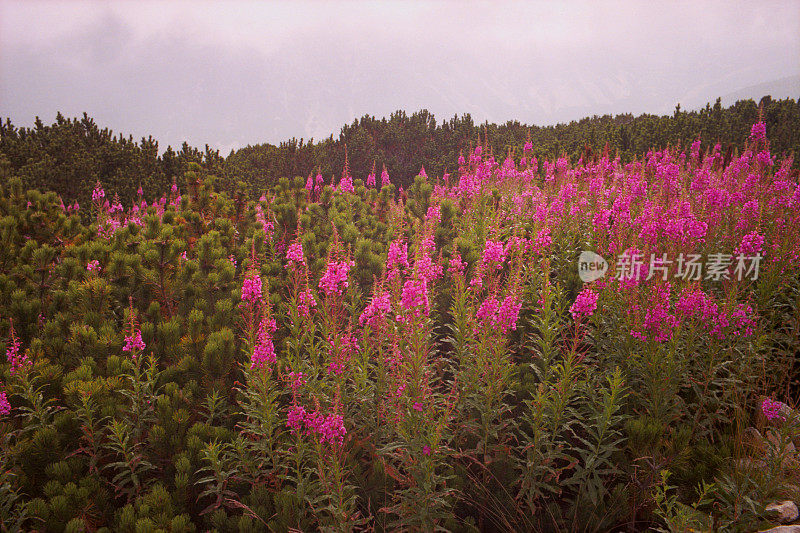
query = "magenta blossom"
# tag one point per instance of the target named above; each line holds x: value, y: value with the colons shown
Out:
x: 264, y: 350
x: 18, y: 361
x: 771, y: 408
x: 494, y: 253
x: 585, y: 304
x: 758, y: 132
x: 294, y: 253
x: 251, y: 289
x: 415, y: 297
x: 134, y: 342
x: 5, y: 407
x: 306, y: 303
x: 376, y: 311
x: 334, y: 281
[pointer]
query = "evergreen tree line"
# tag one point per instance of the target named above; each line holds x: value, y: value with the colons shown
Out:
x: 70, y: 155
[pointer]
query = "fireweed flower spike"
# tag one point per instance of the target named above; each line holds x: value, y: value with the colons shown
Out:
x: 5, y: 407
x: 133, y: 340
x: 251, y: 289
x: 134, y: 343
x: 585, y: 304
x: 294, y: 253
x: 264, y: 350
x: 771, y: 409
x: 19, y: 362
x: 98, y: 194
x: 334, y: 281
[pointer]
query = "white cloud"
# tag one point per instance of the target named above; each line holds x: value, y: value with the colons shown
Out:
x: 232, y: 73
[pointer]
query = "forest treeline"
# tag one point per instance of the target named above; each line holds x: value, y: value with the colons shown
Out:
x: 71, y: 155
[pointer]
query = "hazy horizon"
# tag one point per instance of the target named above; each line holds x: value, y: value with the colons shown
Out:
x: 237, y: 73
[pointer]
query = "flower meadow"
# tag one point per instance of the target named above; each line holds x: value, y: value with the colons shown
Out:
x: 345, y: 355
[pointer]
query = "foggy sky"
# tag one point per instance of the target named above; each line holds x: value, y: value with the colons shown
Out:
x: 236, y: 73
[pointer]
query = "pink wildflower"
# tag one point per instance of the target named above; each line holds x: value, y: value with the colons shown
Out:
x: 264, y: 350
x: 771, y: 408
x: 494, y: 252
x: 346, y: 184
x: 457, y: 265
x: 751, y: 244
x: 296, y: 417
x: 98, y: 193
x: 585, y: 304
x: 93, y: 265
x: 134, y: 343
x: 415, y: 297
x: 251, y: 289
x: 294, y: 253
x: 434, y: 213
x: 542, y: 242
x: 18, y: 362
x: 759, y: 131
x: 398, y: 255
x: 332, y: 430
x: 334, y: 281
x: 307, y: 302
x: 5, y: 407
x: 487, y: 312
x: 297, y: 380
x: 508, y: 314
x: 376, y: 311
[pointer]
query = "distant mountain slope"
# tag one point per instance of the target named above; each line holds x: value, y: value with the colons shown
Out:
x: 788, y: 87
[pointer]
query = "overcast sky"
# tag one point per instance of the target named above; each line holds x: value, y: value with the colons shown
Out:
x: 236, y: 73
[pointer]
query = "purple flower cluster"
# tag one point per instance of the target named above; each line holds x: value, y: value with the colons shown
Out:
x: 376, y: 311
x: 501, y: 315
x: 434, y: 213
x: 758, y: 132
x: 346, y: 184
x: 585, y: 304
x: 294, y: 253
x: 307, y: 303
x: 494, y: 253
x: 251, y: 289
x: 18, y: 361
x: 457, y: 265
x: 5, y: 407
x: 328, y: 428
x: 398, y: 255
x: 98, y: 193
x: 658, y: 324
x: 264, y: 350
x: 415, y: 297
x: 334, y: 281
x: 134, y: 343
x: 751, y: 244
x: 771, y: 408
